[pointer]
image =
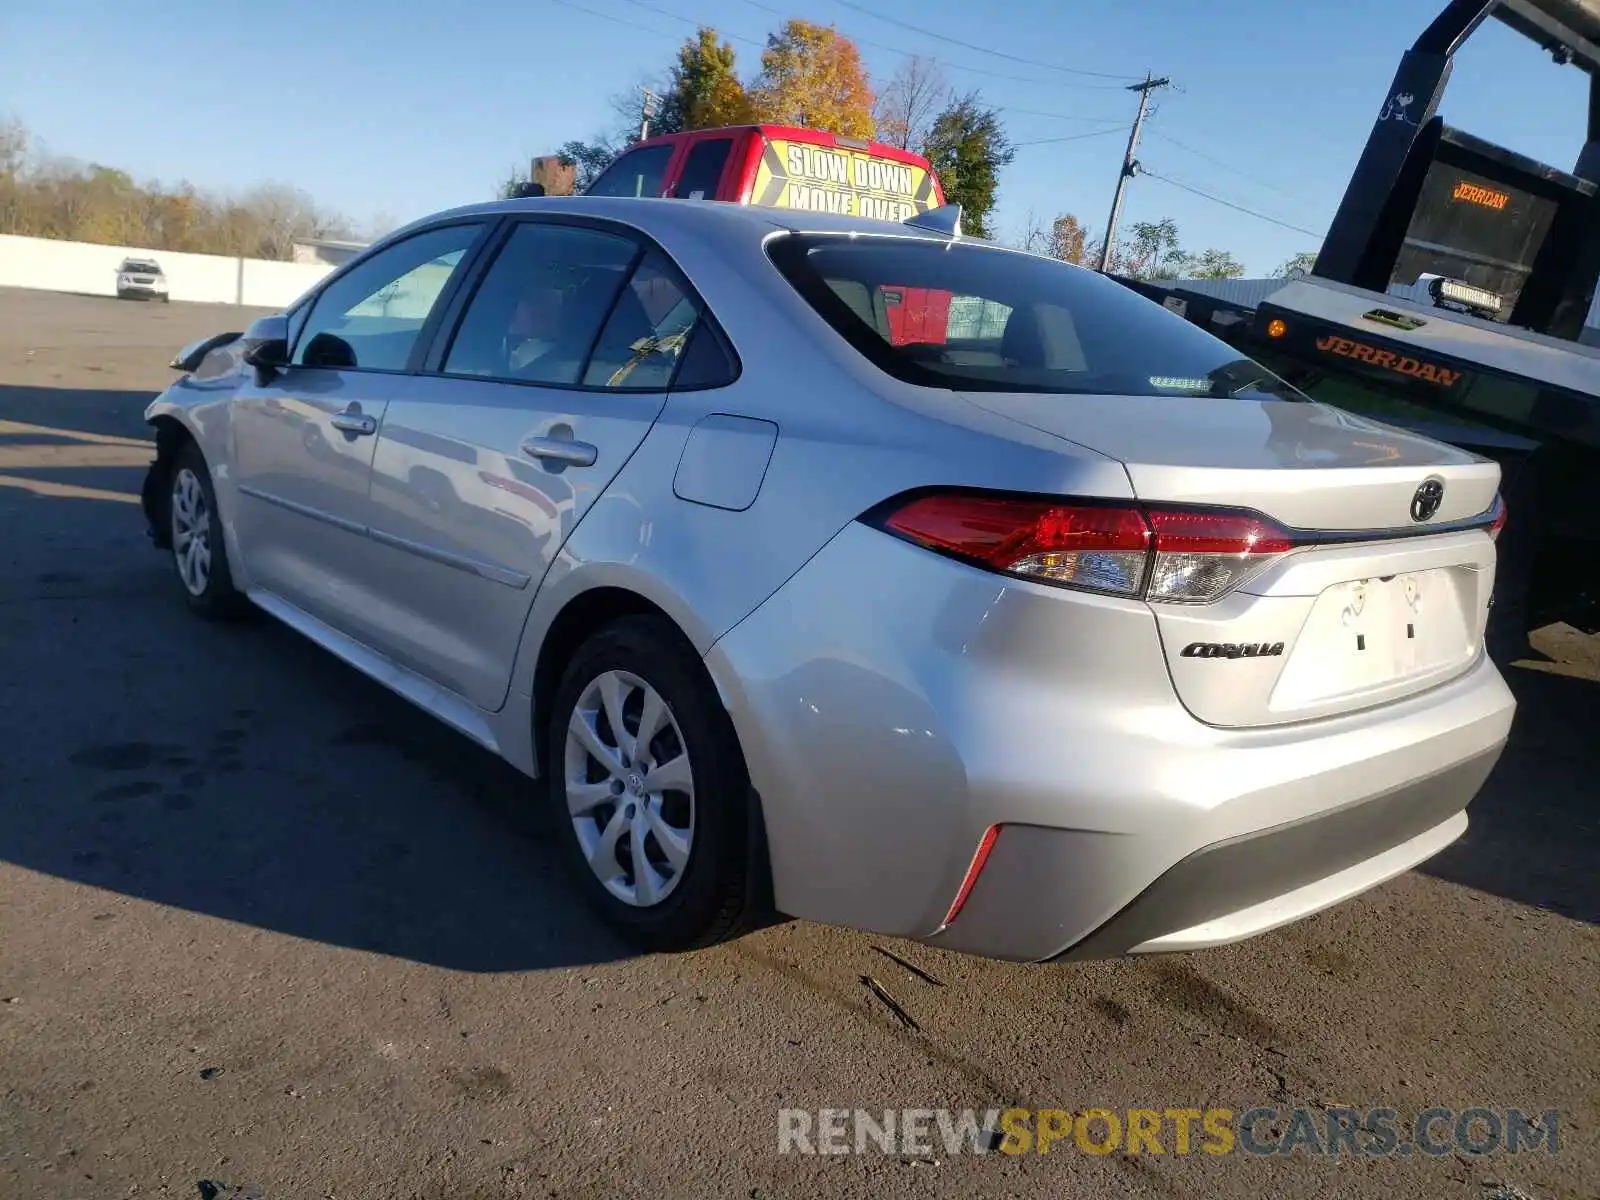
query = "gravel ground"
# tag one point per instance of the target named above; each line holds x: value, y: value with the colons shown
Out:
x: 266, y: 931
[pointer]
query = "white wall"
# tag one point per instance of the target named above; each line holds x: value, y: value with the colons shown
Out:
x: 56, y: 266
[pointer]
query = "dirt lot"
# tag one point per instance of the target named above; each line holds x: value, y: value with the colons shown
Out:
x: 265, y: 930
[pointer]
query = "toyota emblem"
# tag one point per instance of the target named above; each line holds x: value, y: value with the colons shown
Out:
x: 1427, y: 499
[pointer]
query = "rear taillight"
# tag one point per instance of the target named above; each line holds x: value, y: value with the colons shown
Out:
x: 1100, y: 548
x: 1202, y: 556
x: 1176, y: 555
x: 1499, y: 522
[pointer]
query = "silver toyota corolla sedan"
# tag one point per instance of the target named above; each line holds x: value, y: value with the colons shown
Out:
x: 856, y: 571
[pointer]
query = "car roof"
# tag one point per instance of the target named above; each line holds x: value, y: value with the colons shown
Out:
x: 707, y: 217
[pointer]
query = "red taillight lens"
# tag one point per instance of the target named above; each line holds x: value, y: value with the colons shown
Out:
x: 1102, y: 548
x: 1499, y: 522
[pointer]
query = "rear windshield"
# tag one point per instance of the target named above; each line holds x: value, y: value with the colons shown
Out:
x: 978, y: 318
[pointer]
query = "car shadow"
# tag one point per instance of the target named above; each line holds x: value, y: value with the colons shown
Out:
x: 1534, y: 833
x: 99, y: 412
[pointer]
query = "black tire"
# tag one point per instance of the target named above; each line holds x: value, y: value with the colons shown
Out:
x: 718, y: 894
x: 215, y: 596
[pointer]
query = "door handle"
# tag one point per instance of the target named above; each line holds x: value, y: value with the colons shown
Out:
x: 561, y: 450
x: 354, y: 422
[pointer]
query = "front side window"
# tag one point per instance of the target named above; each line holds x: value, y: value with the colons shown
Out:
x: 541, y: 305
x: 636, y: 173
x: 371, y: 316
x: 977, y: 318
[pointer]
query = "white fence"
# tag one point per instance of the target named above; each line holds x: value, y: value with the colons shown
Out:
x: 209, y: 278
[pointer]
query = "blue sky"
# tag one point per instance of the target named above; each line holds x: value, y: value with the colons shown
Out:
x: 401, y: 110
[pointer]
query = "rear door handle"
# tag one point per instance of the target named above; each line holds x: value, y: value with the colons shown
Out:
x: 354, y: 422
x: 561, y: 450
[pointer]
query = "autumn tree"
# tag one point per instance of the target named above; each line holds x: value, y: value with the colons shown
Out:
x: 1065, y: 238
x: 59, y: 198
x: 905, y: 110
x: 704, y: 90
x: 812, y: 76
x: 967, y: 148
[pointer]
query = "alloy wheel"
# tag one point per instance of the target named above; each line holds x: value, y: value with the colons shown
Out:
x: 191, y: 531
x: 630, y: 788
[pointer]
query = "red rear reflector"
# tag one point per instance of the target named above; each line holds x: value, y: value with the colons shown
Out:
x: 971, y: 877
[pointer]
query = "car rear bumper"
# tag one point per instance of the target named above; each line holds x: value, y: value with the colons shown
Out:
x: 894, y: 705
x: 1247, y: 885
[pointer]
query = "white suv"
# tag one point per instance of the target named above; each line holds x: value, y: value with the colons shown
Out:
x: 141, y: 278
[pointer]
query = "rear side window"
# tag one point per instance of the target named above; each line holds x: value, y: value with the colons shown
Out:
x: 702, y: 170
x: 636, y: 173
x: 541, y: 305
x: 647, y: 331
x: 976, y: 318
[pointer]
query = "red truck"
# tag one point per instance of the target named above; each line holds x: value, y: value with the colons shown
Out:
x: 781, y: 166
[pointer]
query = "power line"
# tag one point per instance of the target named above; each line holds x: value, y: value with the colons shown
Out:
x: 904, y: 53
x: 687, y: 21
x: 609, y: 17
x: 1028, y: 62
x: 1184, y: 187
x: 1075, y: 137
x: 1225, y: 165
x: 1034, y: 112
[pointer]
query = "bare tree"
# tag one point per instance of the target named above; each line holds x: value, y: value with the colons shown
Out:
x: 910, y: 102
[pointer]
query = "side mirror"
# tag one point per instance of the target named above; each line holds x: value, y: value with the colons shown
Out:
x: 266, y: 345
x: 191, y: 356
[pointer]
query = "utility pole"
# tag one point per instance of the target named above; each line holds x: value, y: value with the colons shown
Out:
x: 1130, y: 165
x: 647, y: 109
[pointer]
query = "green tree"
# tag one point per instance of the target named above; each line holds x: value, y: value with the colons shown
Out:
x: 1303, y: 261
x: 1153, y: 251
x: 812, y: 76
x: 704, y: 91
x: 967, y: 147
x: 1215, y: 264
x: 588, y: 159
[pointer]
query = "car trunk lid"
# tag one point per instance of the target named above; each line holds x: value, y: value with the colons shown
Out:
x: 1386, y: 588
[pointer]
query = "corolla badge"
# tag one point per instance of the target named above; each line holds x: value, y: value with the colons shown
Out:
x: 1427, y: 499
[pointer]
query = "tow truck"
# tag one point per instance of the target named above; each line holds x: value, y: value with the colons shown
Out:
x: 1455, y: 295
